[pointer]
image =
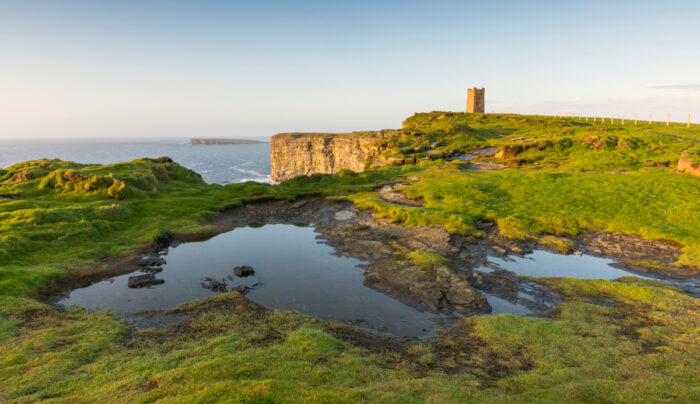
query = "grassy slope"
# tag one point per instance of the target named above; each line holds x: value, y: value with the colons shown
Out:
x: 636, y: 341
x: 564, y: 186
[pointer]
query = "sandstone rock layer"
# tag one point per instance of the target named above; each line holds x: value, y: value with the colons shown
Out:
x: 294, y: 154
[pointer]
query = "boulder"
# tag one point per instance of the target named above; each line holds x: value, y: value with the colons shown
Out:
x: 142, y: 281
x: 243, y: 271
x: 689, y: 163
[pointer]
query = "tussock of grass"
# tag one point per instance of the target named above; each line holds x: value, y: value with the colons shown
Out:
x: 426, y: 259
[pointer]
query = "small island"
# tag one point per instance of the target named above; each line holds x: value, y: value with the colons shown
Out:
x: 203, y: 140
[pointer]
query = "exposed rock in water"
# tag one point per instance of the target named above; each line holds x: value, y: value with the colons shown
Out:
x: 459, y: 292
x: 243, y: 271
x: 163, y: 241
x: 151, y: 261
x: 214, y: 285
x: 438, y: 289
x: 501, y: 283
x: 142, y: 281
x: 689, y: 163
x: 242, y: 289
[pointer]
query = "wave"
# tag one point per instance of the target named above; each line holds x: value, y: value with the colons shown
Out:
x: 251, y: 172
x: 264, y: 178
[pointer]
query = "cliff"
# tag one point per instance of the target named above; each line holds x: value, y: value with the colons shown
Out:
x: 295, y: 154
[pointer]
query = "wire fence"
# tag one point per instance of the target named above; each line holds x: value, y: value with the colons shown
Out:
x: 612, y: 120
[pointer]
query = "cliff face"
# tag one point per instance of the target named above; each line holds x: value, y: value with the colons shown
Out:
x: 295, y: 154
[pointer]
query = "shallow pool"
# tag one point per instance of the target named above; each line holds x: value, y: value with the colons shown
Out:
x: 543, y: 263
x: 293, y: 271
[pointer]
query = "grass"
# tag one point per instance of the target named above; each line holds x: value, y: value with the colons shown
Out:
x: 628, y: 340
x: 426, y: 259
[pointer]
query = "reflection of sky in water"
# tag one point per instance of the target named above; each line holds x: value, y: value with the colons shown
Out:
x: 546, y: 264
x: 298, y: 273
x: 502, y: 306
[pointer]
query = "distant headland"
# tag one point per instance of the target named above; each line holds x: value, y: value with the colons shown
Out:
x: 201, y: 140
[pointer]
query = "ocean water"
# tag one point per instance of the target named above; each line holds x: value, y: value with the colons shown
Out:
x: 221, y: 164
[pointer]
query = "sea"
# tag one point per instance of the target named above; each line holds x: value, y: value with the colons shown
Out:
x: 220, y: 164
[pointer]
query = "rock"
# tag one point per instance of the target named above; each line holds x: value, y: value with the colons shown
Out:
x: 242, y: 289
x: 163, y: 241
x: 499, y: 249
x: 142, y: 281
x: 459, y: 293
x: 515, y: 162
x: 509, y: 151
x: 243, y: 271
x: 689, y: 163
x: 344, y: 215
x: 151, y: 270
x: 214, y: 285
x: 499, y: 282
x: 294, y: 154
x: 151, y: 261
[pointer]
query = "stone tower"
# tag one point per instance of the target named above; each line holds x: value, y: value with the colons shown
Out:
x: 475, y: 100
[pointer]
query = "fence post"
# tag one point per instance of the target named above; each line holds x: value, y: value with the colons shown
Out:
x: 635, y: 119
x: 688, y: 121
x: 650, y: 119
x: 668, y: 119
x: 623, y: 120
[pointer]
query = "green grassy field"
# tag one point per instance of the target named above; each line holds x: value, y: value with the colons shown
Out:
x: 627, y: 340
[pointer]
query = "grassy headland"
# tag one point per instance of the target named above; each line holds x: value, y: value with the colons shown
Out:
x: 627, y: 340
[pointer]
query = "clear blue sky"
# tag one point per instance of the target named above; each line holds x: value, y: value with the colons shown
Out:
x: 174, y: 69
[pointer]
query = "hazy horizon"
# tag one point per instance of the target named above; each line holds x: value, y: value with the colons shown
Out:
x: 172, y: 70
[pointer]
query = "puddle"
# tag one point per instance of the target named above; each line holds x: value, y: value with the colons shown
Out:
x: 471, y: 154
x: 503, y: 306
x: 293, y: 271
x: 546, y: 264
